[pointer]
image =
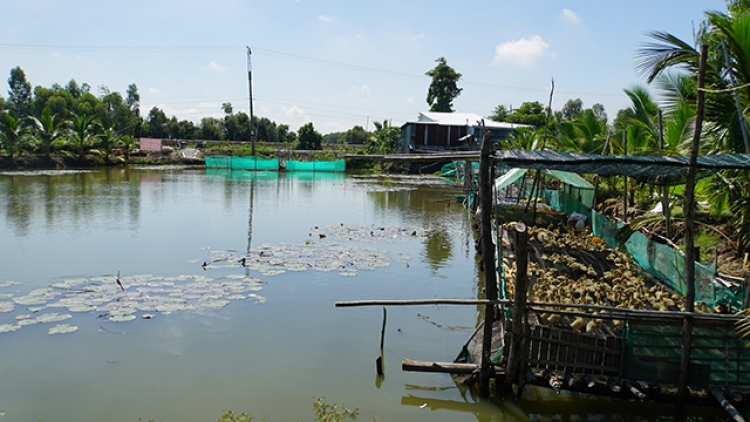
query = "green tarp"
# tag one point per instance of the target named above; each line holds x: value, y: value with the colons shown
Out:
x: 573, y: 184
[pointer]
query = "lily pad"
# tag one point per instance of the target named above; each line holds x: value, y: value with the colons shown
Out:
x: 215, y: 303
x: 63, y: 329
x: 30, y: 300
x: 81, y: 308
x: 122, y: 318
x: 25, y: 322
x: 52, y: 317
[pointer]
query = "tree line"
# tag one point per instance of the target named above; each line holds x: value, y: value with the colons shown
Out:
x: 45, y: 120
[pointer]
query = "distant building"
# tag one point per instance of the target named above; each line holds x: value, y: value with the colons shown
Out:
x: 150, y: 144
x: 433, y: 131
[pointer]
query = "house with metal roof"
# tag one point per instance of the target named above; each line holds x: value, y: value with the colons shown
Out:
x: 436, y: 131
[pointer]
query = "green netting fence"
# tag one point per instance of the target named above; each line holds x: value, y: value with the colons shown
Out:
x: 241, y: 163
x: 661, y: 261
x: 455, y: 170
x: 317, y: 165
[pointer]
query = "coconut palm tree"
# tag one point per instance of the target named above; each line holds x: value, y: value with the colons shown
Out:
x: 128, y: 143
x: 108, y: 140
x: 48, y: 129
x: 82, y: 137
x: 728, y: 64
x: 13, y: 132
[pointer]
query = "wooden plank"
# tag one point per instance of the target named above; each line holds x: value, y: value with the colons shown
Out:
x: 575, y: 343
x: 439, y: 367
x: 534, y: 342
x: 581, y: 367
x: 565, y: 345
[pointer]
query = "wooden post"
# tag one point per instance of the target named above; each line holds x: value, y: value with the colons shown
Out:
x: 468, y: 176
x: 488, y: 261
x: 516, y: 361
x: 687, y: 325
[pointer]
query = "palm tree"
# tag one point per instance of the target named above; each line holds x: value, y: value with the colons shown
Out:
x: 82, y: 137
x: 13, y: 133
x: 127, y: 142
x: 728, y: 38
x: 108, y: 140
x: 48, y: 130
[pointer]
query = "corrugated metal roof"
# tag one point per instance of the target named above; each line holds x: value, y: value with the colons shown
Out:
x: 462, y: 119
x: 652, y: 169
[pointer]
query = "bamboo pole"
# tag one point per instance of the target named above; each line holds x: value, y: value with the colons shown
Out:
x: 488, y: 261
x: 687, y: 326
x: 618, y: 313
x: 665, y: 189
x: 724, y: 403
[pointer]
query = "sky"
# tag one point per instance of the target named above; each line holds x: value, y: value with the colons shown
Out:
x: 336, y: 63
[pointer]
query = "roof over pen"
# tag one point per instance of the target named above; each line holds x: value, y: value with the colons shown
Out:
x: 651, y: 169
x: 462, y: 119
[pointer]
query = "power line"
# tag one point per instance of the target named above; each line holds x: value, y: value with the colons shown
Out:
x: 289, y: 56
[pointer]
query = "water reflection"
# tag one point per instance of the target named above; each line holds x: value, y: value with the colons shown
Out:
x: 66, y: 198
x: 437, y: 249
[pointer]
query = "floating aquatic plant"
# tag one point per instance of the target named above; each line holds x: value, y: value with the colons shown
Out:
x: 368, y: 233
x: 63, y: 329
x: 145, y: 293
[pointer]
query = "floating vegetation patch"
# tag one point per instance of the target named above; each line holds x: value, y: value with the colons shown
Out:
x: 43, y: 172
x: 63, y: 329
x: 368, y: 233
x: 145, y: 294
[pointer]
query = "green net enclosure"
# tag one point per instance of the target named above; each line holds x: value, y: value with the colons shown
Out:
x: 317, y: 165
x: 241, y: 163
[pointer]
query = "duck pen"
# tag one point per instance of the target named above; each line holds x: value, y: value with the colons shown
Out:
x: 567, y: 309
x: 578, y: 344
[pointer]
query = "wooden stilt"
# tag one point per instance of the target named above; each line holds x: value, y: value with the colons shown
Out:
x: 488, y: 261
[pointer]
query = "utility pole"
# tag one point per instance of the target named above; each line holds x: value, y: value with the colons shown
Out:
x: 250, y: 88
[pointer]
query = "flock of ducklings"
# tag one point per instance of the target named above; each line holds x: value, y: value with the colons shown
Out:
x: 562, y: 278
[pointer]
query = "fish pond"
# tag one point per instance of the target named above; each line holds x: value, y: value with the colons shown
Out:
x: 173, y: 293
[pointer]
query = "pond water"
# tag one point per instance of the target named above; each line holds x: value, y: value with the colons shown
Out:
x: 264, y: 337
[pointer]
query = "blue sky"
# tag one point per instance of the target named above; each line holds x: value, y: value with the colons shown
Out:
x: 340, y: 63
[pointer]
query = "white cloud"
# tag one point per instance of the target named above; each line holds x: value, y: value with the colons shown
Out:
x: 215, y: 67
x: 570, y: 16
x: 293, y: 111
x: 152, y: 91
x: 364, y: 89
x: 409, y: 99
x: 325, y: 18
x: 523, y: 52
